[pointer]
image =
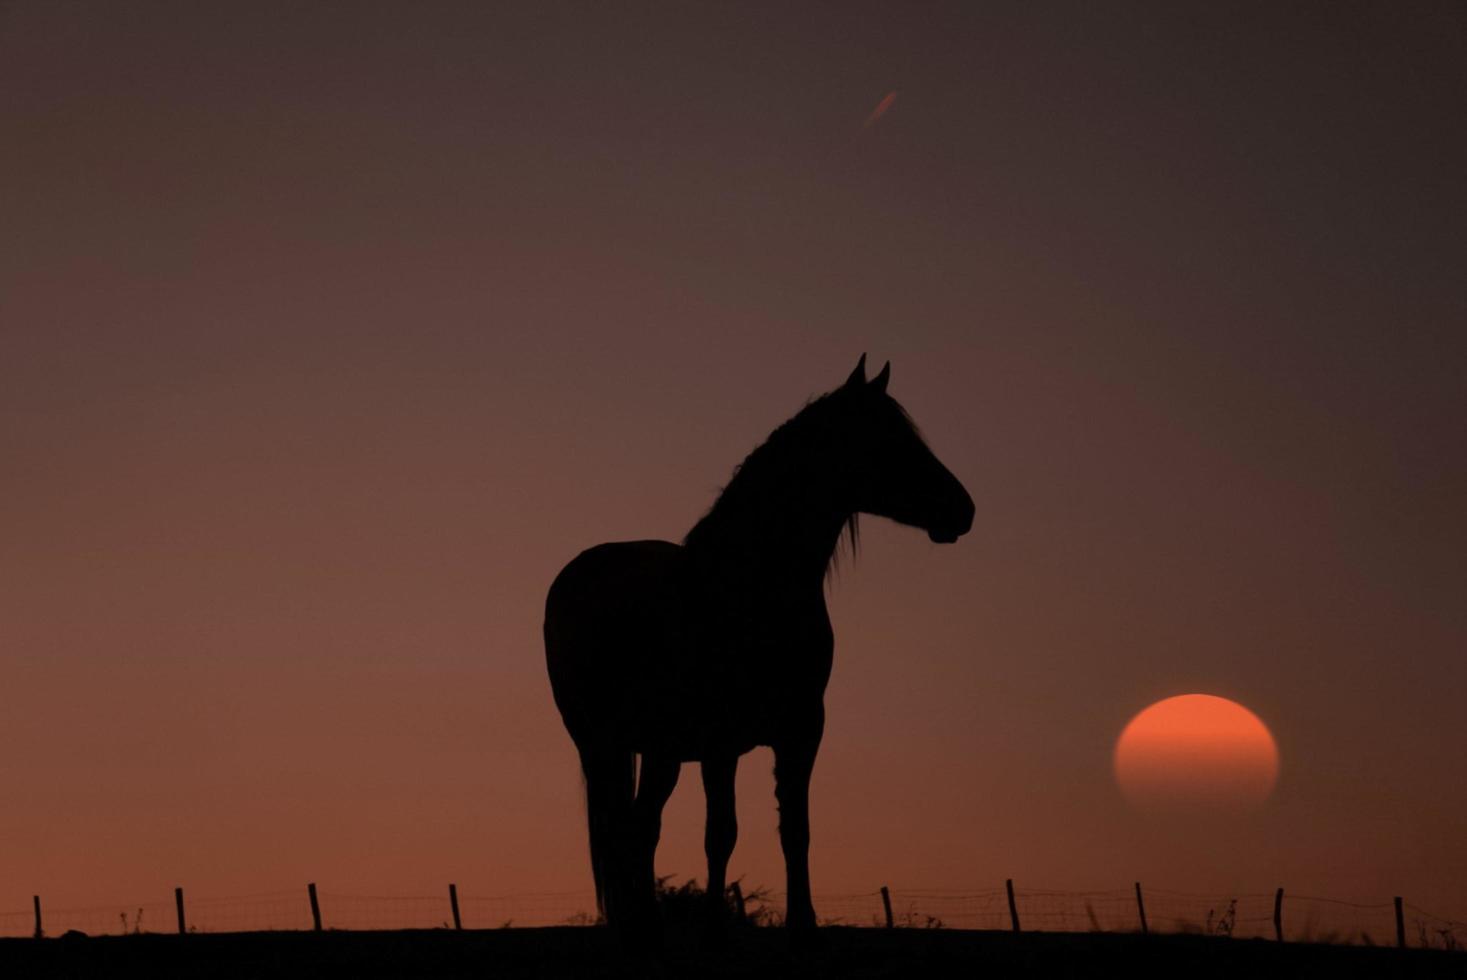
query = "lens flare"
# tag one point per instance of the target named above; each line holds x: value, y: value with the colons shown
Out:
x: 880, y: 110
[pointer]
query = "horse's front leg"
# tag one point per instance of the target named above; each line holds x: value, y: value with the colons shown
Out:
x: 794, y: 759
x: 720, y: 832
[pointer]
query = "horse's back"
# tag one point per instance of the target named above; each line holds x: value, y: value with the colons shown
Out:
x: 611, y: 623
x: 611, y: 581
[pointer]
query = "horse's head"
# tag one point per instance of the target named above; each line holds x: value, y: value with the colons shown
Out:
x: 891, y: 471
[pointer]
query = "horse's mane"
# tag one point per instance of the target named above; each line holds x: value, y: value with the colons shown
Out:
x: 785, y: 452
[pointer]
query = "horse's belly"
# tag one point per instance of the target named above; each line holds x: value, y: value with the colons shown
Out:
x: 636, y: 658
x: 705, y: 699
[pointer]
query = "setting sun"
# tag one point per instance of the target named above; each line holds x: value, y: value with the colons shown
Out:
x: 1196, y: 750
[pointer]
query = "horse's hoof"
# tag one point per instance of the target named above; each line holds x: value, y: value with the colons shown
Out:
x: 642, y: 937
x: 805, y: 939
x: 714, y: 937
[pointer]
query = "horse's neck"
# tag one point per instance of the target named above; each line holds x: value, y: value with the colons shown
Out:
x: 785, y: 550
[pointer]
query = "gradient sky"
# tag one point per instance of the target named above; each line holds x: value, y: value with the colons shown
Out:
x: 328, y: 334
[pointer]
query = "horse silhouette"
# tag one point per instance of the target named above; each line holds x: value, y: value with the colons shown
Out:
x: 704, y: 650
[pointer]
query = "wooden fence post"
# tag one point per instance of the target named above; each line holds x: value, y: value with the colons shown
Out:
x: 1400, y: 924
x: 453, y: 901
x: 1278, y: 915
x: 315, y: 906
x: 178, y: 900
x: 738, y: 894
x: 1013, y: 908
x: 36, y: 900
x: 1141, y: 907
x: 886, y: 904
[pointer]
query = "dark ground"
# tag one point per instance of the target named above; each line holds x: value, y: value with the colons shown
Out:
x: 590, y: 952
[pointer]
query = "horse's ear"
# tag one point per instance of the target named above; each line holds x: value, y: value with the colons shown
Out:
x: 858, y: 376
x: 879, y: 382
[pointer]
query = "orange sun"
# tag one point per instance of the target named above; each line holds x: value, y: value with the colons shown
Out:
x: 1196, y: 751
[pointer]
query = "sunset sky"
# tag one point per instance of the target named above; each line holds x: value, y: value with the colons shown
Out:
x: 328, y: 335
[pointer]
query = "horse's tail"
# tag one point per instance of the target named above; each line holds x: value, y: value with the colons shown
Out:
x: 610, y: 778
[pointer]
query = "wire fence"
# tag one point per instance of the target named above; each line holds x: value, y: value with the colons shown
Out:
x: 1276, y: 915
x: 1261, y: 915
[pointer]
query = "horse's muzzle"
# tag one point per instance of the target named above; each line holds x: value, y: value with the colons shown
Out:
x: 961, y: 524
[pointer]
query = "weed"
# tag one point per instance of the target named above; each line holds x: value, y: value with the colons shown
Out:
x: 921, y: 920
x: 1444, y: 937
x: 137, y: 924
x: 1222, y: 925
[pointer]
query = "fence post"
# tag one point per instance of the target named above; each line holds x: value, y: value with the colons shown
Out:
x: 1278, y: 915
x: 1013, y: 908
x: 886, y: 904
x: 1400, y: 924
x: 1141, y: 907
x: 453, y: 901
x: 178, y: 900
x: 315, y: 906
x: 36, y: 900
x: 738, y: 894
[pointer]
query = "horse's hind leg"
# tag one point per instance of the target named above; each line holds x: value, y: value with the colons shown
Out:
x: 655, y: 784
x: 719, y: 835
x: 610, y: 776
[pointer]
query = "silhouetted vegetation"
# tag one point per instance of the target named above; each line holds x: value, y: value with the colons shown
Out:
x: 685, y: 906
